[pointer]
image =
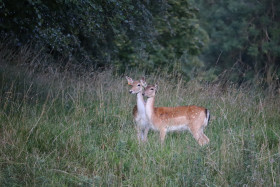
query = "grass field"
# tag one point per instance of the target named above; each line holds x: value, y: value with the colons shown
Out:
x: 60, y: 129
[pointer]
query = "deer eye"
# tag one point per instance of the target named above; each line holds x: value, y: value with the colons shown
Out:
x: 152, y: 89
x: 138, y: 85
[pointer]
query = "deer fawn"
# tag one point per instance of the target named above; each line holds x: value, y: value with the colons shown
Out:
x: 139, y: 111
x: 165, y: 119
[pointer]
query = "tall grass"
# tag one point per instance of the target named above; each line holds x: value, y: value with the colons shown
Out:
x: 60, y: 129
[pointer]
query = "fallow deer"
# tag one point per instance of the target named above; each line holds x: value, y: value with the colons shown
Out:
x: 165, y: 119
x: 139, y: 112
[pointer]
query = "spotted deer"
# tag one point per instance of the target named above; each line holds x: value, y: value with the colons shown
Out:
x: 139, y: 111
x: 180, y: 118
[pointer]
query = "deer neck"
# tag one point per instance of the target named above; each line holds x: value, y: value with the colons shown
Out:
x: 150, y: 108
x: 140, y: 103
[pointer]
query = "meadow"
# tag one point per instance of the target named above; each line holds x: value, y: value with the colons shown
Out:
x: 61, y: 128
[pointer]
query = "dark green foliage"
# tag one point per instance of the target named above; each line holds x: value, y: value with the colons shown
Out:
x: 179, y: 37
x: 125, y: 34
x: 244, y: 35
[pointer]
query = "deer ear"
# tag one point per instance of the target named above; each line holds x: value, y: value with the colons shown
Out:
x: 129, y: 80
x: 143, y: 82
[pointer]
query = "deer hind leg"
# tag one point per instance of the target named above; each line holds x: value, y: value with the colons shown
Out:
x: 162, y: 134
x: 206, y: 139
x: 203, y: 138
x: 200, y: 137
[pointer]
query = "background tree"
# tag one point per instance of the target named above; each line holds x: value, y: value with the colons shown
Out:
x: 244, y: 36
x: 123, y: 34
x: 179, y: 37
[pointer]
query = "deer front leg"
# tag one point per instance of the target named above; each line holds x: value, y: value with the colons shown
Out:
x: 146, y: 130
x: 139, y: 133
